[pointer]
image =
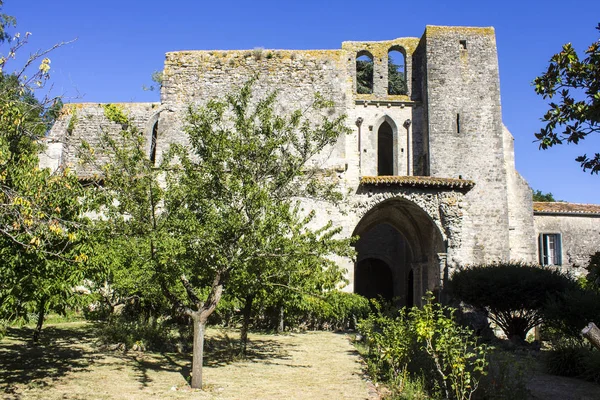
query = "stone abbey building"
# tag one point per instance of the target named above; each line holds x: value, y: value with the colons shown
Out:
x: 429, y: 168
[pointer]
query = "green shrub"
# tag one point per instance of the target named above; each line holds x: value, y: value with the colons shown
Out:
x: 391, y: 344
x: 335, y: 310
x: 506, y: 378
x: 592, y: 279
x: 424, y: 343
x: 574, y: 359
x: 155, y: 334
x: 513, y: 294
x: 567, y: 313
x: 566, y: 360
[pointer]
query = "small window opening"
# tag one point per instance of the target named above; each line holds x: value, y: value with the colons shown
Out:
x: 463, y: 44
x: 153, y: 144
x: 385, y: 150
x: 364, y: 73
x: 396, y: 73
x: 550, y: 249
x: 457, y: 123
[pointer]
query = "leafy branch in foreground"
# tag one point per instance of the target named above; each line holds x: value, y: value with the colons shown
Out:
x: 577, y: 113
x: 42, y: 223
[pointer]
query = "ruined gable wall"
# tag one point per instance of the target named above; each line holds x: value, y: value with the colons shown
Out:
x: 79, y: 122
x: 462, y: 79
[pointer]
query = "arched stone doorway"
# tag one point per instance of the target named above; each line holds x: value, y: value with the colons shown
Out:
x: 399, y: 252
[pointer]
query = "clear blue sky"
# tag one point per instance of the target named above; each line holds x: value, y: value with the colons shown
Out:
x: 120, y: 43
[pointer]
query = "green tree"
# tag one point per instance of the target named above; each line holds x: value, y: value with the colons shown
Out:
x: 396, y: 79
x: 538, y: 195
x: 223, y: 211
x: 364, y: 76
x: 577, y: 112
x: 42, y: 229
x: 240, y: 179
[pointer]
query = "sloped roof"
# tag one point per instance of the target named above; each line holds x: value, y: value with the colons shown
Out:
x: 417, y: 181
x: 560, y: 207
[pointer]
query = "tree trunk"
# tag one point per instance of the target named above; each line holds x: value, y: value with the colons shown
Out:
x: 247, y: 313
x: 592, y: 333
x: 200, y: 317
x: 281, y: 322
x: 40, y: 322
x: 198, y: 351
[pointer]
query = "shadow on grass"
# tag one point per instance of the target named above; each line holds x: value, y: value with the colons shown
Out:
x: 67, y: 348
x: 219, y: 351
x: 56, y: 355
x: 223, y: 350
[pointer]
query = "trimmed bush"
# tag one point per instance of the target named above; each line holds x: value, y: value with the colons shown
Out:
x: 513, y: 294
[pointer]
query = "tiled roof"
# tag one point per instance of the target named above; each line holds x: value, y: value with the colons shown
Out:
x: 417, y: 181
x: 564, y: 208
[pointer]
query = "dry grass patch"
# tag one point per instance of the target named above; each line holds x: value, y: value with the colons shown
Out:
x: 68, y: 365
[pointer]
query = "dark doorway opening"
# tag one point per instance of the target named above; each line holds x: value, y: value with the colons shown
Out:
x: 373, y: 278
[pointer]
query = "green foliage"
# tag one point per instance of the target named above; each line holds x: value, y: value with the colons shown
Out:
x: 6, y: 21
x: 570, y: 311
x: 391, y: 344
x: 574, y: 360
x: 425, y: 342
x: 544, y: 197
x: 157, y: 78
x: 335, y: 310
x: 115, y: 113
x: 577, y: 113
x: 155, y: 334
x: 592, y: 279
x: 364, y: 78
x: 396, y: 79
x: 513, y: 294
x: 566, y: 313
x: 506, y: 378
x: 72, y: 123
x: 43, y: 248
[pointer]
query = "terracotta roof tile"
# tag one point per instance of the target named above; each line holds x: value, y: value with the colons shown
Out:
x: 560, y: 207
x: 417, y: 181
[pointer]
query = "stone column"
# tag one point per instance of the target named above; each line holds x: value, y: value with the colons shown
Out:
x: 442, y: 258
x: 418, y: 283
x: 409, y: 167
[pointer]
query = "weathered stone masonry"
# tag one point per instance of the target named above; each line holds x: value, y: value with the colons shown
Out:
x: 452, y: 196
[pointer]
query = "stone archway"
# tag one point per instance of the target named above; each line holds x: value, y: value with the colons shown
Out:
x: 401, y: 236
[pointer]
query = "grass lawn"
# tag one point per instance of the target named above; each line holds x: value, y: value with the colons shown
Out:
x: 68, y: 365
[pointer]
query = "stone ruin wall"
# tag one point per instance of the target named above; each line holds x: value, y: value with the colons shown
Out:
x: 444, y: 79
x: 580, y: 237
x: 87, y: 122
